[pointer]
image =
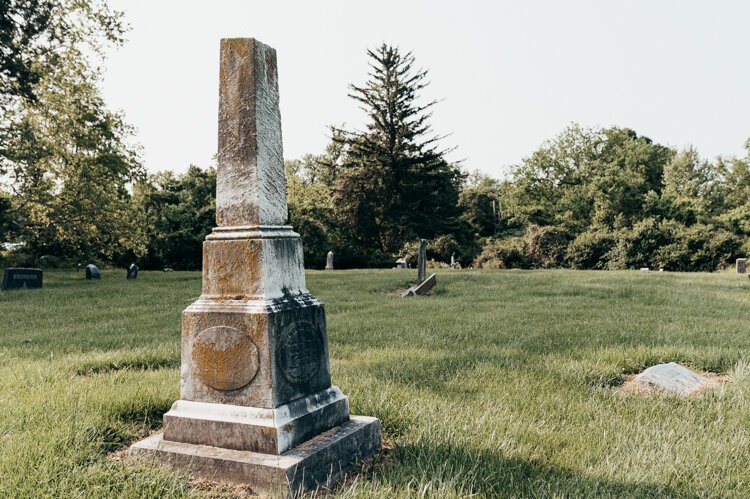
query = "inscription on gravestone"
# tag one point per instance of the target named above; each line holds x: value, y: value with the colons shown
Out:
x: 21, y: 278
x: 301, y: 352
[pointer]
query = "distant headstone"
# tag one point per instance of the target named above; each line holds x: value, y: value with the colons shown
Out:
x: 741, y: 265
x: 401, y: 263
x: 21, y: 278
x: 426, y: 285
x: 132, y: 271
x: 168, y: 269
x: 421, y: 272
x: 645, y: 269
x: 79, y: 267
x: 671, y: 377
x: 421, y: 289
x: 453, y: 261
x: 329, y: 261
x: 93, y: 272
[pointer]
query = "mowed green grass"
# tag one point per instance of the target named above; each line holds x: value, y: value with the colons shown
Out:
x: 500, y: 384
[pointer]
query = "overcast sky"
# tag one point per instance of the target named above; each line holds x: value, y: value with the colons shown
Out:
x: 511, y: 74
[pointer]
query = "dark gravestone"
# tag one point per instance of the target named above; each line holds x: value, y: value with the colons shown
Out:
x: 92, y: 272
x: 19, y: 278
x: 133, y: 271
x: 421, y: 272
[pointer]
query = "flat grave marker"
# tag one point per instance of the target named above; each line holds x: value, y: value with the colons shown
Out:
x: 22, y: 278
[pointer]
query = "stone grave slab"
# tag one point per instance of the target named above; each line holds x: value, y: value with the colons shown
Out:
x: 421, y: 289
x: 22, y: 278
x: 671, y: 377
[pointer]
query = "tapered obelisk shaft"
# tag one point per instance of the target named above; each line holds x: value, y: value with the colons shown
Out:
x: 251, y: 188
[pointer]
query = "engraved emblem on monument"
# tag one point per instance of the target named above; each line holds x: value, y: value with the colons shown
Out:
x: 300, y: 351
x: 226, y: 359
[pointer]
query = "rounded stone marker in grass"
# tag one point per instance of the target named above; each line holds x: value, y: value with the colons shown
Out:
x: 672, y: 377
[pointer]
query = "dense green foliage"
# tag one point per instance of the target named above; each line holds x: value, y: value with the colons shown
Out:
x: 177, y: 212
x: 611, y: 199
x: 64, y: 156
x: 501, y: 384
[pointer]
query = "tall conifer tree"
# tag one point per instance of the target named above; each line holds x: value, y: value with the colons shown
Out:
x: 395, y: 184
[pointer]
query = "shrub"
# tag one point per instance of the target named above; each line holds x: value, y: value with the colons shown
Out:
x: 546, y: 245
x: 698, y: 248
x: 589, y: 249
x: 503, y: 254
x: 636, y: 247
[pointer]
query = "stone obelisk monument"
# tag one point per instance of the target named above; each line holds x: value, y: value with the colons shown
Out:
x: 256, y: 401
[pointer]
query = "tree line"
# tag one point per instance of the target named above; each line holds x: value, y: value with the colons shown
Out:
x: 75, y: 189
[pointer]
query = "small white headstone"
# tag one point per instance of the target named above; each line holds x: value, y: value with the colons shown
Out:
x: 671, y: 377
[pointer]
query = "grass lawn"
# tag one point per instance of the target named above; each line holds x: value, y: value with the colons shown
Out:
x: 500, y: 384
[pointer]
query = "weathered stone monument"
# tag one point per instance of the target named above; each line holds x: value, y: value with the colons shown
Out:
x: 424, y: 285
x: 329, y: 261
x: 93, y: 272
x: 22, y: 278
x: 256, y: 401
x: 132, y: 272
x: 741, y: 265
x: 422, y: 263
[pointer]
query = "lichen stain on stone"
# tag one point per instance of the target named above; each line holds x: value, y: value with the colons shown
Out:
x: 225, y: 358
x: 234, y: 268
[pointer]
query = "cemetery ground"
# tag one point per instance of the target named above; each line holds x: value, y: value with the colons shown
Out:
x: 502, y: 383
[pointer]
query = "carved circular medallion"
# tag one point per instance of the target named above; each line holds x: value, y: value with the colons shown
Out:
x: 224, y: 358
x: 300, y: 351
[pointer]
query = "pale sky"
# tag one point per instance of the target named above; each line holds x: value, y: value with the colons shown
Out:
x: 511, y: 74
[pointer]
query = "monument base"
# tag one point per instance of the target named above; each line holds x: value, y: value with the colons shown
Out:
x: 319, y: 461
x: 270, y: 431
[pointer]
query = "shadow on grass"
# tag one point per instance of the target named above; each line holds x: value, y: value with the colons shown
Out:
x: 485, y: 473
x: 437, y: 372
x: 142, y: 364
x: 127, y: 423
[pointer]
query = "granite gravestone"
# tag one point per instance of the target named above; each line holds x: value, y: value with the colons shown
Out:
x: 422, y: 271
x: 132, y: 271
x: 22, y: 278
x: 741, y: 265
x: 93, y: 272
x: 256, y: 401
x: 329, y: 261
